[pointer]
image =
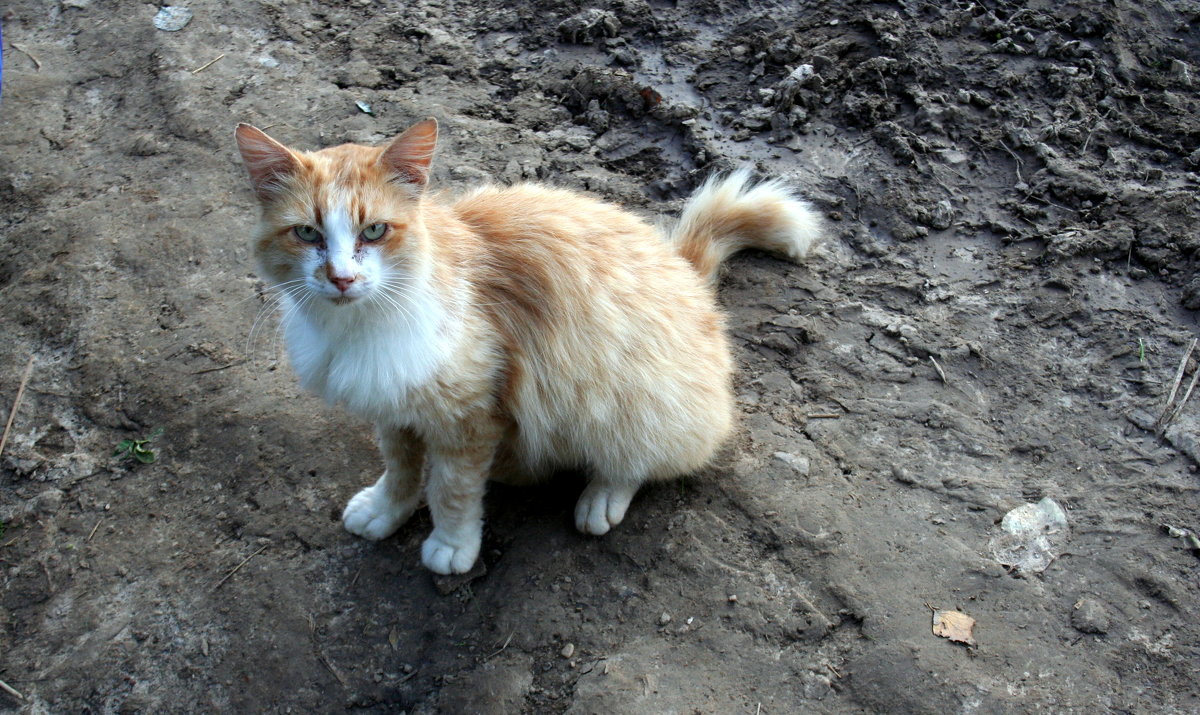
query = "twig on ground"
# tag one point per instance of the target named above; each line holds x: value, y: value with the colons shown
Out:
x: 937, y: 367
x: 8, y: 688
x: 1186, y: 395
x: 219, y: 367
x: 1046, y: 201
x: 36, y: 62
x: 16, y: 402
x: 1162, y: 421
x: 1179, y: 372
x: 824, y: 416
x: 208, y: 64
x: 501, y: 650
x: 329, y: 667
x: 94, y: 529
x: 239, y: 566
x: 1017, y: 158
x: 1088, y: 140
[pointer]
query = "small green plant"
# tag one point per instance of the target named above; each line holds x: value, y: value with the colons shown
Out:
x: 136, y: 448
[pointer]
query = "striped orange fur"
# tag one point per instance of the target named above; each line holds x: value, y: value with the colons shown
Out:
x: 507, y: 332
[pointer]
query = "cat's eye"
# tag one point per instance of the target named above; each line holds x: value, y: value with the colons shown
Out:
x: 374, y: 232
x: 308, y: 234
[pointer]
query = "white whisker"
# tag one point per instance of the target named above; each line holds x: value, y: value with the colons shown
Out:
x: 394, y: 299
x: 263, y: 294
x: 267, y: 309
x: 292, y: 313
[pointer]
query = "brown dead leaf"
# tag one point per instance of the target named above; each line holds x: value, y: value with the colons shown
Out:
x: 955, y: 625
x: 651, y: 97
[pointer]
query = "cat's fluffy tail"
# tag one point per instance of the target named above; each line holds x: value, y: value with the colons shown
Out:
x: 732, y: 212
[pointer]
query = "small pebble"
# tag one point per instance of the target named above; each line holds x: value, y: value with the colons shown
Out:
x: 733, y: 598
x: 172, y: 18
x: 568, y: 650
x: 664, y: 619
x: 49, y: 501
x: 796, y: 462
x: 1090, y: 616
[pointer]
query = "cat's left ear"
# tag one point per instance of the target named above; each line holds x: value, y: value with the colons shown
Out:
x: 409, y: 155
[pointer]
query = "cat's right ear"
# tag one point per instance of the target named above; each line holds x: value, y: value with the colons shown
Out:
x: 409, y: 155
x: 266, y: 160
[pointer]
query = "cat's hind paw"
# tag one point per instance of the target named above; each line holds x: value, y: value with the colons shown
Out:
x: 372, y: 515
x: 602, y: 506
x: 445, y: 553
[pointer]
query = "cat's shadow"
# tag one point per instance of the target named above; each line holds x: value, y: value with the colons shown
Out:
x: 524, y: 516
x: 551, y: 501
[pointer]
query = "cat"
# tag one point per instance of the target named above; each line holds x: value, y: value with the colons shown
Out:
x: 506, y: 333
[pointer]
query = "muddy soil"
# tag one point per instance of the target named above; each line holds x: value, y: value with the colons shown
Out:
x: 999, y: 315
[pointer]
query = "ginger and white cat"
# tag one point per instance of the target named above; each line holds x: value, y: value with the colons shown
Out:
x: 505, y: 333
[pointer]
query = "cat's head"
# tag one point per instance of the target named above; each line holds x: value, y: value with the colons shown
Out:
x: 342, y: 225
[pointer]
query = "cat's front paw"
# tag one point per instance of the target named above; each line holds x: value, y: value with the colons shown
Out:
x: 447, y: 553
x: 602, y: 506
x: 372, y: 515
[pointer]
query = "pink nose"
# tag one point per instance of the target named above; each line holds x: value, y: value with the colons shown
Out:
x: 341, y: 280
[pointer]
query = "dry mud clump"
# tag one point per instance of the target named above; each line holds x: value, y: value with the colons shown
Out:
x: 999, y: 316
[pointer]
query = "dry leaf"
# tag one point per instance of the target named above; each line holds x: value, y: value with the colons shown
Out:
x: 651, y: 96
x: 394, y: 637
x: 955, y: 625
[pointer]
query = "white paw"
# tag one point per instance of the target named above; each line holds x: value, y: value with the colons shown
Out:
x: 601, y: 507
x: 372, y: 515
x: 447, y: 553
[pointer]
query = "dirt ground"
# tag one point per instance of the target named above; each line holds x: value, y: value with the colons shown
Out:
x: 999, y: 315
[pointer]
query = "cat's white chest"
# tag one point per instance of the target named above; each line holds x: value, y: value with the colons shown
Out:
x: 366, y: 362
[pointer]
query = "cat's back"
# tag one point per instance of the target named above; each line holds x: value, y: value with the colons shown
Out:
x: 536, y: 213
x: 563, y: 262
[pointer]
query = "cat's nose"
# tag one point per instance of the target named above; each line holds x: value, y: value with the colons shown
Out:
x: 340, y: 276
x: 342, y: 282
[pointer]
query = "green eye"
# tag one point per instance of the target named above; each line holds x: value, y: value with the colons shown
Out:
x: 308, y: 234
x: 374, y: 232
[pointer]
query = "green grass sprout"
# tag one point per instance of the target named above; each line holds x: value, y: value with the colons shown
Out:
x: 136, y: 448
